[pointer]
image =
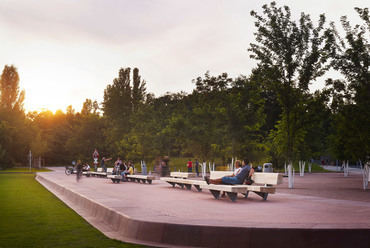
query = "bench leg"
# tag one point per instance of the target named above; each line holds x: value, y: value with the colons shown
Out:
x: 198, y: 188
x: 246, y: 194
x: 144, y: 181
x: 173, y: 184
x: 181, y: 185
x: 149, y: 181
x: 188, y: 186
x: 232, y: 196
x: 263, y: 195
x: 215, y: 193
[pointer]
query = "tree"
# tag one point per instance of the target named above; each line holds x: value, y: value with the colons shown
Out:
x: 293, y: 55
x: 120, y: 100
x: 11, y: 98
x: 12, y: 113
x: 351, y: 97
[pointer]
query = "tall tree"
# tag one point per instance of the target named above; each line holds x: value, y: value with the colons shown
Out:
x: 294, y: 54
x: 12, y: 113
x: 351, y: 97
x: 11, y: 98
x: 120, y: 100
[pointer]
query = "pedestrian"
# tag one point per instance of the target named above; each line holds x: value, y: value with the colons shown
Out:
x: 165, y: 167
x: 190, y: 165
x: 103, y: 160
x: 196, y: 167
x: 79, y: 170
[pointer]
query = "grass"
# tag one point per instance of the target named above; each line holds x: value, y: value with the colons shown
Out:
x: 31, y: 216
x: 24, y: 169
x: 314, y: 169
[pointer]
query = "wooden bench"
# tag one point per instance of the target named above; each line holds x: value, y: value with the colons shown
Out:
x: 100, y: 173
x: 86, y: 173
x: 132, y: 178
x: 143, y: 178
x: 115, y: 178
x: 182, y: 174
x: 181, y: 179
x: 263, y: 185
x: 184, y: 182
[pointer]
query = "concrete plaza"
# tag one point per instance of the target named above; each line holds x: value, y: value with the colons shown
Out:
x: 322, y: 210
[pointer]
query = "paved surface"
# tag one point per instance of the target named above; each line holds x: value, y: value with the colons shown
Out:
x: 322, y: 210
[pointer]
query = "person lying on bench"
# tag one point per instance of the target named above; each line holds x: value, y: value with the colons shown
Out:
x: 234, y: 179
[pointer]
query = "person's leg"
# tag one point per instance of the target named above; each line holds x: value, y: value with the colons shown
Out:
x: 213, y: 181
x: 230, y: 180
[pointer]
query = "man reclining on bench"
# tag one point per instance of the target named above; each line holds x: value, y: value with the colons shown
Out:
x: 239, y: 178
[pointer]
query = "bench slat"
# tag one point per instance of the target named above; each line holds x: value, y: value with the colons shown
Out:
x: 141, y: 177
x: 182, y: 174
x: 267, y: 178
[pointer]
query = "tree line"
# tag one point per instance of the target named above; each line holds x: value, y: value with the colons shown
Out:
x: 269, y: 116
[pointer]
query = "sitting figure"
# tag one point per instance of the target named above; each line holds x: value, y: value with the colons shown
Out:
x: 86, y: 167
x: 239, y: 178
x: 128, y: 171
x: 116, y: 169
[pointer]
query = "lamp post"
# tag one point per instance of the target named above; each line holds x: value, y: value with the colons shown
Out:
x: 30, y: 159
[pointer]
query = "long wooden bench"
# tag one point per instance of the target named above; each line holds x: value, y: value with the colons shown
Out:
x: 100, y: 173
x: 184, y: 182
x: 180, y: 178
x: 115, y: 178
x: 132, y: 178
x: 263, y: 185
x: 86, y: 173
x: 143, y: 178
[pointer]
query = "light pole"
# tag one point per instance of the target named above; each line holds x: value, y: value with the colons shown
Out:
x: 30, y: 159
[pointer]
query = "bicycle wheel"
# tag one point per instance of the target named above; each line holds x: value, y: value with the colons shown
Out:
x: 68, y: 172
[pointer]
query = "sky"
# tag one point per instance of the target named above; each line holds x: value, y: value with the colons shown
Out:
x: 67, y: 51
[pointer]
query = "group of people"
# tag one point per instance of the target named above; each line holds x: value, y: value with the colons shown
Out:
x: 242, y: 173
x: 120, y: 167
x: 123, y: 168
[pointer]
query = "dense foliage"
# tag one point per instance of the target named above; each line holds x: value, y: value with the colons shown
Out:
x: 269, y: 115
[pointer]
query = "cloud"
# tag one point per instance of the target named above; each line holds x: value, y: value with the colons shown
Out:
x: 78, y: 47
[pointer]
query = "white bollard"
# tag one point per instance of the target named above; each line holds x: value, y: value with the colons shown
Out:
x: 366, y: 175
x: 290, y: 175
x: 346, y: 169
x: 309, y: 167
x: 285, y: 170
x: 300, y: 163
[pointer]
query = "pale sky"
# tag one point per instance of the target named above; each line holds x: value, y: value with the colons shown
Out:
x: 70, y: 50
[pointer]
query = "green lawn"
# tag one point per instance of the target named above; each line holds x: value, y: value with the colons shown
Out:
x: 24, y: 169
x: 31, y: 216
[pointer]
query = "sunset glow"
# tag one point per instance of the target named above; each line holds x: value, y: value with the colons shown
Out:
x: 66, y: 51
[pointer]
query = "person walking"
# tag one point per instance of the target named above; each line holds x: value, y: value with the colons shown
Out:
x: 196, y: 167
x: 79, y: 170
x: 190, y: 165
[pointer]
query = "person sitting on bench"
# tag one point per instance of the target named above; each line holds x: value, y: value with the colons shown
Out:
x: 234, y: 179
x: 128, y: 171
